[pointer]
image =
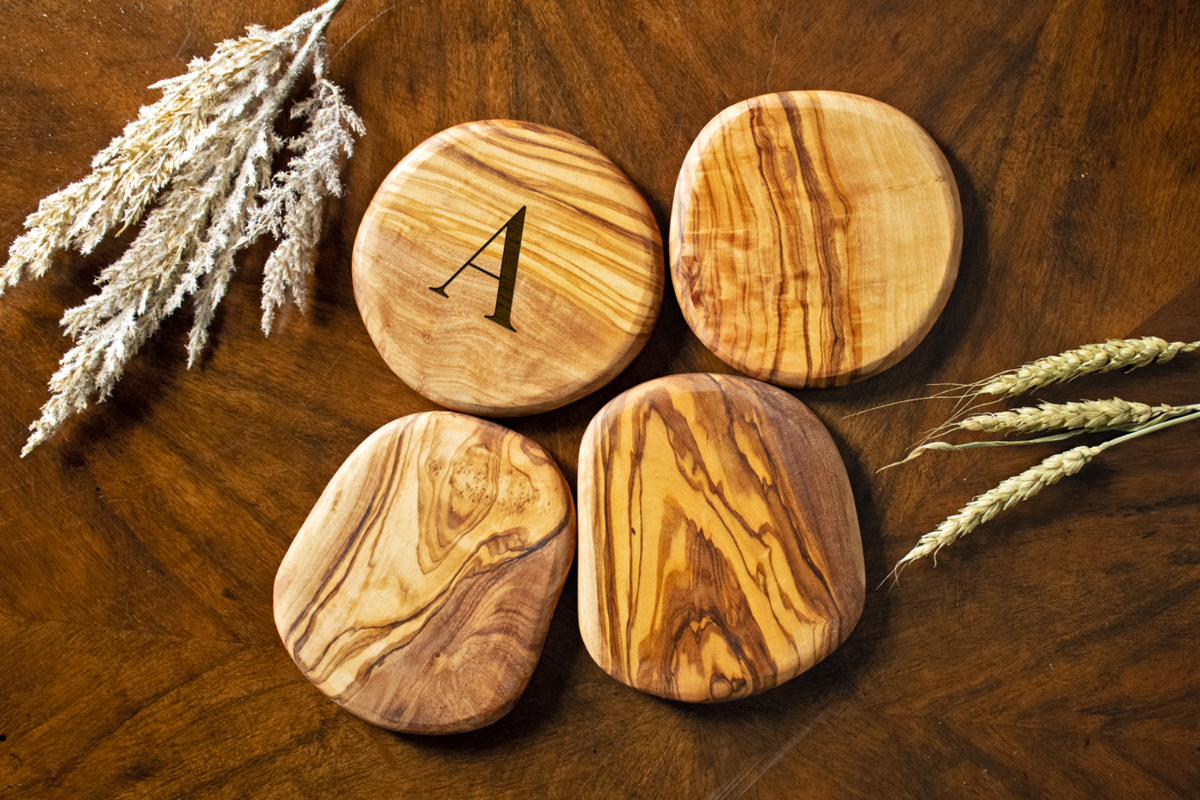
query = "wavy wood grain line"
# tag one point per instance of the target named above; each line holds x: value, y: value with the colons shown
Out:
x: 719, y: 547
x: 815, y: 237
x: 419, y: 591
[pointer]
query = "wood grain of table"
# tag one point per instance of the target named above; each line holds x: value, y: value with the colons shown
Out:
x: 1052, y: 653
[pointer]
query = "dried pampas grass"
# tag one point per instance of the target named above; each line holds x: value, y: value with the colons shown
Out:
x: 206, y: 147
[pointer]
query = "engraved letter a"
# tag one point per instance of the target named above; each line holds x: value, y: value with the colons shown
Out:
x: 508, y: 269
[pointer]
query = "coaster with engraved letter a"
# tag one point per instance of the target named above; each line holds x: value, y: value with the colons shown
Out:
x: 506, y: 268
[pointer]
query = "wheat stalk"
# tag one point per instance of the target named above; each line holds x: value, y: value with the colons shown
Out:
x: 1062, y: 368
x: 1071, y: 419
x: 206, y: 146
x: 1080, y: 414
x: 1093, y: 416
x: 1087, y: 360
x: 1020, y: 487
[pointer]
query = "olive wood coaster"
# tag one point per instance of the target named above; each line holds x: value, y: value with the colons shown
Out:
x: 719, y: 552
x: 506, y: 268
x: 419, y: 591
x: 815, y: 237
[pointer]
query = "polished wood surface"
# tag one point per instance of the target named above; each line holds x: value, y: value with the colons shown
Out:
x: 815, y: 237
x: 719, y: 552
x: 1051, y: 653
x: 418, y: 592
x: 506, y: 268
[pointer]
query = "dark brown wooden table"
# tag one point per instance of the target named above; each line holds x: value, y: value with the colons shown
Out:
x: 1054, y: 652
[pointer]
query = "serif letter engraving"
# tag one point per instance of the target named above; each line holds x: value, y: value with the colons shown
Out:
x: 508, y: 269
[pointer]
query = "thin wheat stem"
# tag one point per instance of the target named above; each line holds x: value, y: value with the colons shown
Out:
x: 946, y: 447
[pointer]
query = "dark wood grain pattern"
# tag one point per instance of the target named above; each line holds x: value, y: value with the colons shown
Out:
x: 1051, y: 653
x: 506, y: 268
x: 815, y: 237
x: 719, y: 552
x: 419, y: 590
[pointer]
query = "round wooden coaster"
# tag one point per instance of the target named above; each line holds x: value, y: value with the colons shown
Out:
x: 420, y: 589
x: 507, y: 268
x: 719, y: 549
x: 815, y: 237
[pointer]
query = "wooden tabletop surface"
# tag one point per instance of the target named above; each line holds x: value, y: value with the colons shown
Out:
x: 1053, y: 652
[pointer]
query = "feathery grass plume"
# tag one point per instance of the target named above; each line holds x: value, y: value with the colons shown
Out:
x: 1021, y: 487
x: 289, y: 210
x: 207, y: 146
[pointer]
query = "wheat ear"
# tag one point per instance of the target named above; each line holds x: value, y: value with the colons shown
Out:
x: 1080, y: 414
x: 1090, y: 416
x: 1014, y: 490
x: 1090, y: 359
x: 1066, y: 366
x: 1087, y: 360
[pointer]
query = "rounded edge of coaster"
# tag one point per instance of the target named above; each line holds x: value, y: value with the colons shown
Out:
x: 371, y: 690
x: 839, y: 553
x: 483, y: 391
x: 716, y: 338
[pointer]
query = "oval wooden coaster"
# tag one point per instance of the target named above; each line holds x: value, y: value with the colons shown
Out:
x: 419, y: 591
x: 719, y: 552
x: 815, y: 237
x: 507, y: 268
